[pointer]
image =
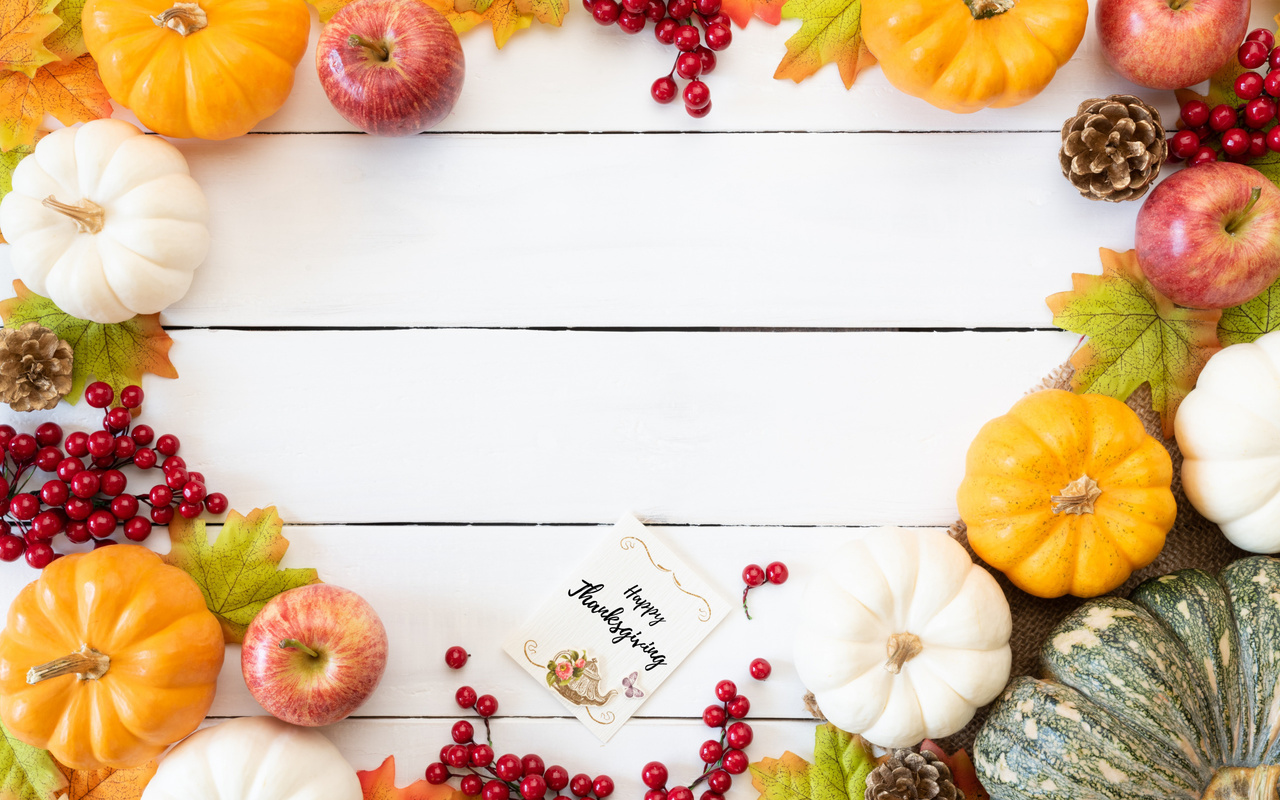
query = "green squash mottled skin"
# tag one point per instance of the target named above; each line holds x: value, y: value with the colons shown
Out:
x: 1149, y: 697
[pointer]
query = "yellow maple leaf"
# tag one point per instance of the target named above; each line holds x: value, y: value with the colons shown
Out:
x: 462, y: 21
x: 71, y: 91
x: 107, y: 783
x: 67, y: 42
x: 831, y: 33
x: 24, y: 24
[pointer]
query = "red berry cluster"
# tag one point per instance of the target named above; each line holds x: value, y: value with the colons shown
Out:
x: 723, y: 757
x: 753, y: 576
x: 1241, y: 132
x: 674, y: 24
x: 87, y: 501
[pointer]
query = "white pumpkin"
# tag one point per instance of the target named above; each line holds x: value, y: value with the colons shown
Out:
x: 254, y: 758
x: 105, y: 221
x: 1228, y: 429
x: 903, y: 637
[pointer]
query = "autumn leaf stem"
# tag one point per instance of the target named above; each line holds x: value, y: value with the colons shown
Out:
x: 376, y: 49
x: 294, y: 643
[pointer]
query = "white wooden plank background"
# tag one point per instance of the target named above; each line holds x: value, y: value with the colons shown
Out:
x: 357, y: 350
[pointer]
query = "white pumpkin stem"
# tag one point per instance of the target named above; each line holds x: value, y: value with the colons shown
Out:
x: 901, y: 648
x: 185, y: 18
x: 1244, y: 783
x: 86, y: 664
x: 986, y: 9
x: 87, y: 216
x: 1077, y: 497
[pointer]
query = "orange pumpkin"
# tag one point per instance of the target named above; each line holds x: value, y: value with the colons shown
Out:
x: 212, y: 68
x: 965, y: 55
x: 108, y: 658
x: 1067, y: 494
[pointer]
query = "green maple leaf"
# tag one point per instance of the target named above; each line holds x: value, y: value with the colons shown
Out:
x: 841, y: 764
x: 240, y: 571
x: 1136, y: 336
x: 831, y: 33
x: 26, y: 772
x: 1248, y: 321
x: 117, y: 354
x: 8, y: 162
x: 67, y: 42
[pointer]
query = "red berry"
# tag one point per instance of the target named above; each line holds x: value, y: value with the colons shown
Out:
x: 101, y: 523
x: 533, y: 787
x: 77, y: 508
x: 101, y: 443
x: 776, y: 573
x: 69, y: 467
x: 739, y: 707
x: 77, y: 532
x: 602, y: 786
x: 481, y: 755
x: 160, y: 495
x: 124, y: 507
x: 462, y: 731
x: 486, y: 705
x: 664, y: 89
x: 605, y: 12
x: 1253, y: 54
x: 707, y: 8
x: 580, y: 786
x: 113, y: 482
x: 437, y: 773
x: 86, y: 484
x: 496, y: 790
x: 739, y: 735
x: 760, y: 669
x: 137, y: 529
x: 679, y: 9
x: 1249, y: 85
x: 719, y: 36
x: 1262, y: 35
x: 710, y: 795
x: 167, y: 445
x: 557, y: 777
x: 471, y: 785
x: 633, y: 6
x: 11, y: 547
x: 726, y: 690
x: 680, y: 793
x: 1258, y: 112
x: 708, y: 59
x: 39, y: 555
x: 698, y: 113
x: 48, y: 434
x: 532, y: 765
x: 6, y: 433
x: 713, y: 716
x: 131, y: 396
x: 190, y: 510
x: 631, y: 22
x: 176, y: 478
x: 125, y: 447
x: 143, y: 435
x: 117, y: 419
x: 172, y: 463
x: 457, y: 756
x: 1203, y: 156
x: 1273, y: 139
x: 665, y: 32
x: 655, y: 10
x: 145, y: 458
x: 719, y: 781
x: 465, y: 697
x: 687, y: 38
x: 193, y: 491
x: 455, y: 657
x: 508, y: 767
x: 1222, y: 117
x: 753, y: 575
x: 656, y: 794
x: 654, y: 775
x: 696, y: 93
x: 99, y: 394
x: 23, y: 447
x: 1235, y: 142
x: 53, y: 493
x: 47, y: 459
x: 710, y: 751
x: 77, y: 444
x: 735, y: 762
x: 1257, y: 144
x: 216, y: 503
x: 688, y: 65
x: 162, y: 515
x: 104, y: 462
x: 48, y: 524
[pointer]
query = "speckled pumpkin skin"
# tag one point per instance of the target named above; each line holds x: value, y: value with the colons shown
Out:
x: 1173, y: 694
x: 1019, y: 462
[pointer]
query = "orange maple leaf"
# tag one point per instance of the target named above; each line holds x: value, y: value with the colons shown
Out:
x: 69, y: 90
x: 107, y: 783
x: 831, y: 33
x: 24, y: 24
x: 963, y: 775
x: 741, y: 11
x: 380, y: 784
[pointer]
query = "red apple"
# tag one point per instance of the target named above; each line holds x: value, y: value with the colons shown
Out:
x: 314, y: 654
x: 1170, y: 44
x: 390, y: 67
x: 1209, y: 236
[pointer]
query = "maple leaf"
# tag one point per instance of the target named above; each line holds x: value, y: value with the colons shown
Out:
x: 26, y: 772
x: 380, y: 784
x: 1248, y: 321
x: 741, y: 11
x: 117, y: 354
x: 69, y: 90
x: 832, y: 32
x: 462, y: 21
x: 240, y: 571
x: 841, y: 763
x: 963, y: 775
x: 24, y: 24
x: 67, y: 42
x: 107, y: 783
x: 8, y: 161
x: 1136, y: 336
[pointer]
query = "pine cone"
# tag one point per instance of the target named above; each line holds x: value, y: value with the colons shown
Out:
x: 908, y: 775
x: 35, y: 367
x: 1113, y: 149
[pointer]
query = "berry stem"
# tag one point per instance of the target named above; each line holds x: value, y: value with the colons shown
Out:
x: 744, y: 604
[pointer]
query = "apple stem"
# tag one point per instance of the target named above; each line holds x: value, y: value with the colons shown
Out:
x: 1176, y: 5
x: 376, y: 49
x: 1253, y: 198
x: 299, y: 645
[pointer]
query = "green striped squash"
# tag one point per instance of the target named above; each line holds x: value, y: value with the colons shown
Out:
x: 1173, y: 694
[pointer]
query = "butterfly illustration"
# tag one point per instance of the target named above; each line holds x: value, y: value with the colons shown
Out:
x: 632, y: 685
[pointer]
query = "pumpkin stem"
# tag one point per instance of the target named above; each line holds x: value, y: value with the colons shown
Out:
x: 87, y: 216
x: 1244, y: 783
x: 185, y: 18
x: 376, y: 49
x: 986, y: 9
x: 902, y: 647
x: 299, y: 645
x: 87, y: 664
x: 1077, y: 497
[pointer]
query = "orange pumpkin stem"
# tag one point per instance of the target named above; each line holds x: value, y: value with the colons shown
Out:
x: 1077, y: 497
x: 87, y: 216
x: 1244, y: 783
x: 986, y: 9
x: 86, y: 663
x: 901, y: 648
x: 185, y: 18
